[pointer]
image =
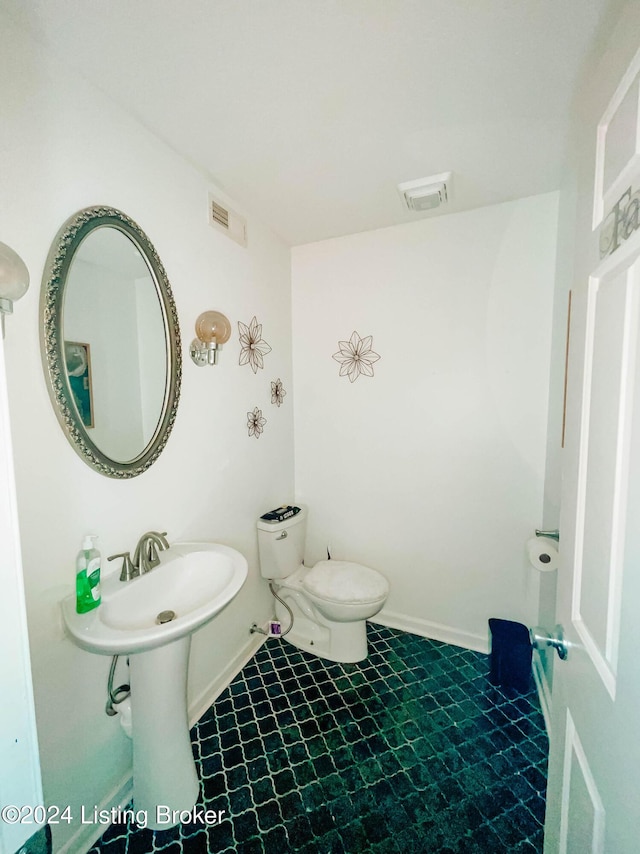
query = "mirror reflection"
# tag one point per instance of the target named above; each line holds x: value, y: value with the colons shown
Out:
x: 114, y: 344
x: 110, y: 341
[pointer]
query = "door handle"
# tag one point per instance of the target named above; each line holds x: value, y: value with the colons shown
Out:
x: 541, y: 638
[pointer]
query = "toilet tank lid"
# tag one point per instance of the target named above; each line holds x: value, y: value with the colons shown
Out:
x: 281, y: 517
x: 343, y: 581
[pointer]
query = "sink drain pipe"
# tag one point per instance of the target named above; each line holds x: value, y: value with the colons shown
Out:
x: 115, y: 696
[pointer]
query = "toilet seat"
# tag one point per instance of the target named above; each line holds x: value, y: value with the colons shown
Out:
x: 344, y: 582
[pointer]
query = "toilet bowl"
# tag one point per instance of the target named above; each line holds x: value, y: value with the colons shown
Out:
x: 344, y: 591
x: 330, y: 601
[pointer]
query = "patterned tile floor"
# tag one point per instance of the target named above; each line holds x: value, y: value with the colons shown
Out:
x: 411, y: 750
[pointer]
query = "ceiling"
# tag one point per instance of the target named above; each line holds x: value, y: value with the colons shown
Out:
x: 308, y: 113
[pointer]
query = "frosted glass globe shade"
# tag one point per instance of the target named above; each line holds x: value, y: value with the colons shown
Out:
x: 14, y: 276
x: 211, y: 326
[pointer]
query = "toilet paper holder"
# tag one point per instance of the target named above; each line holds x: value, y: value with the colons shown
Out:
x: 552, y: 535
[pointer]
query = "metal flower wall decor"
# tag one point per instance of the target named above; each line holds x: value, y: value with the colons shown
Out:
x: 252, y: 345
x: 356, y: 357
x: 255, y: 422
x: 277, y: 392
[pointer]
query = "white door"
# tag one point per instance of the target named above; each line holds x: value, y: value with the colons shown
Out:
x: 593, y: 799
x: 20, y: 783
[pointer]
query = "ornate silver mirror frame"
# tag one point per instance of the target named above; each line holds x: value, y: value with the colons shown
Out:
x: 61, y: 256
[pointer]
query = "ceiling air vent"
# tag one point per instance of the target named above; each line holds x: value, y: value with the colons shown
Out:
x: 426, y: 194
x: 224, y: 219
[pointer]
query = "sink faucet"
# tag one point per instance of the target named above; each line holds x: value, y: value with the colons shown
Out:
x: 146, y: 554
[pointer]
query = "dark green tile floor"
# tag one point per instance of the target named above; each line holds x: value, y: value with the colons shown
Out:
x: 411, y: 750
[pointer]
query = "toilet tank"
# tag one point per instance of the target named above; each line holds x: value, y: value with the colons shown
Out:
x: 281, y: 543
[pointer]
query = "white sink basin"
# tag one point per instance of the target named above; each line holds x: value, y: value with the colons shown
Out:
x: 195, y: 580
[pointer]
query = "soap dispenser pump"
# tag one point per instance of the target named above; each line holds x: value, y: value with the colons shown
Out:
x: 88, y: 576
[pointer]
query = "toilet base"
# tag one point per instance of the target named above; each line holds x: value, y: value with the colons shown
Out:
x: 341, y: 642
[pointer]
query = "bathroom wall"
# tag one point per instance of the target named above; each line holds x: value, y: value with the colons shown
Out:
x: 432, y: 469
x: 64, y: 146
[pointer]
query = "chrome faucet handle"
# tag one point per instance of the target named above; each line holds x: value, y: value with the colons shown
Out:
x: 129, y: 570
x: 152, y: 557
x: 156, y: 542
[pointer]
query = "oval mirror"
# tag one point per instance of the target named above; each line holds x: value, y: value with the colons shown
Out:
x: 111, y: 342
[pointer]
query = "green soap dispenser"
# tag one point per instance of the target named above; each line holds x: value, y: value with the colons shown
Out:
x: 88, y: 576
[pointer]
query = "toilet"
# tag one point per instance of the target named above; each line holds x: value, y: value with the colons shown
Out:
x: 330, y: 601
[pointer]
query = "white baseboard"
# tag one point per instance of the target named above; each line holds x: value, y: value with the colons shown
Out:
x: 87, y: 835
x: 434, y: 631
x: 544, y: 692
x: 199, y: 705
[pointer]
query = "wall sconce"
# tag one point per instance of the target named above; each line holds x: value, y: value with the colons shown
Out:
x: 213, y: 330
x: 14, y: 280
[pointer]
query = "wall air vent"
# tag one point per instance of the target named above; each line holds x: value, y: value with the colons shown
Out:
x: 426, y: 194
x: 219, y: 214
x: 224, y: 219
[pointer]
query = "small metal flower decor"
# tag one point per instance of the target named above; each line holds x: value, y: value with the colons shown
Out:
x: 356, y: 357
x: 255, y: 422
x: 252, y: 345
x: 277, y: 392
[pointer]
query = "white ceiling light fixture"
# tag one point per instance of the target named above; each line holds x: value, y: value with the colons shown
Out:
x: 426, y: 194
x: 14, y: 280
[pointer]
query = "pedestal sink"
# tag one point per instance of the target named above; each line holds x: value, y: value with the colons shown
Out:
x: 192, y: 583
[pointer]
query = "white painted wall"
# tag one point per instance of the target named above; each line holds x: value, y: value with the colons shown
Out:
x: 64, y: 147
x: 431, y: 471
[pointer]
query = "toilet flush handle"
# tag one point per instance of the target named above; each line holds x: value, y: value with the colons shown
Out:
x: 282, y: 535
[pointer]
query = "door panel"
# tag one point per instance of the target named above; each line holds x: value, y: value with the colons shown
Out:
x: 582, y: 821
x: 593, y: 805
x: 621, y: 137
x: 609, y: 372
x: 596, y: 727
x: 618, y: 143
